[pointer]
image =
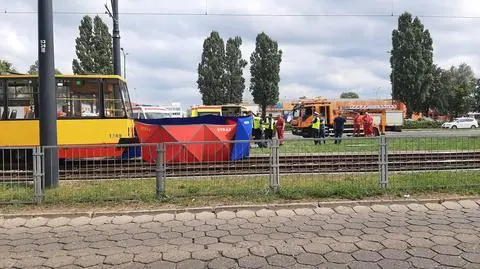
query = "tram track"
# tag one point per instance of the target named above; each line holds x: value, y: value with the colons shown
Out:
x: 256, y: 165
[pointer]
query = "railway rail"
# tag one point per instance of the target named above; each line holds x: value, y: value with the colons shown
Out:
x: 255, y: 165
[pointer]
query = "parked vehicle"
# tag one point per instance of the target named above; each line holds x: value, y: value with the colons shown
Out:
x: 150, y: 112
x: 463, y: 122
x: 228, y: 110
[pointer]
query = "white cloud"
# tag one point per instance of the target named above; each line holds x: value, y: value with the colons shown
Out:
x: 295, y: 90
x: 13, y: 43
x: 472, y: 59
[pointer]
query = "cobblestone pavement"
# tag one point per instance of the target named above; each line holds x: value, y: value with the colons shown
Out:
x: 395, y: 236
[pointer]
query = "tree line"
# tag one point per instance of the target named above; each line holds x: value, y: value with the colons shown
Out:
x: 220, y: 71
x: 419, y: 82
x: 8, y: 68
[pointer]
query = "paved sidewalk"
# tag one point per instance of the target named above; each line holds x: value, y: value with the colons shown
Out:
x: 396, y: 236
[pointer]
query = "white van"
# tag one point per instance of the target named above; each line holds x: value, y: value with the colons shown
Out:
x: 150, y: 112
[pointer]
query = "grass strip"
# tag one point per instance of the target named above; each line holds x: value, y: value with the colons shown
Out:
x: 251, y: 189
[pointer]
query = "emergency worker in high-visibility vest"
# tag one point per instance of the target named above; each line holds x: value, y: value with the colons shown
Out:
x: 257, y: 128
x: 322, y: 129
x: 269, y: 127
x: 316, y: 128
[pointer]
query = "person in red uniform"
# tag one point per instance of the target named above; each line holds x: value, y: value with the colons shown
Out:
x: 357, y: 123
x: 368, y: 124
x: 280, y: 128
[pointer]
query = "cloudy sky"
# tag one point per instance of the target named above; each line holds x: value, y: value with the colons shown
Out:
x: 323, y: 55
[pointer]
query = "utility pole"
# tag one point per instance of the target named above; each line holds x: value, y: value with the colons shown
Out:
x: 47, y: 87
x: 117, y: 69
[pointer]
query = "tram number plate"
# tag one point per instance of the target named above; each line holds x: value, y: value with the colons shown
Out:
x: 43, y: 46
x: 115, y: 135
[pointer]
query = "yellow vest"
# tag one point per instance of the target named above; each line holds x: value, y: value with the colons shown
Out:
x: 256, y: 123
x: 316, y: 125
x: 268, y: 125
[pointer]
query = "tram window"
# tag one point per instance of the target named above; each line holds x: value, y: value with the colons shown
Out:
x: 22, y: 97
x: 126, y: 99
x: 78, y: 98
x: 114, y: 106
x: 63, y: 93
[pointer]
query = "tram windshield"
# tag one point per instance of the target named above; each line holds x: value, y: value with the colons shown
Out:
x: 77, y: 97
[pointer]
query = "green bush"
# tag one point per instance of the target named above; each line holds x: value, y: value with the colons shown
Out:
x: 422, y: 124
x: 288, y: 127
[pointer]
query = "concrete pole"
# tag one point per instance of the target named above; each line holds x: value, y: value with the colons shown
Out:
x: 48, y: 106
x: 117, y: 69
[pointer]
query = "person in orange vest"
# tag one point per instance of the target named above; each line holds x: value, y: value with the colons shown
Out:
x: 280, y: 128
x: 368, y: 124
x: 357, y: 123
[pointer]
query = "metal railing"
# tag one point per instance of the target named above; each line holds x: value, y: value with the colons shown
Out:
x: 209, y: 168
x: 441, y: 161
x: 16, y: 175
x: 297, y: 168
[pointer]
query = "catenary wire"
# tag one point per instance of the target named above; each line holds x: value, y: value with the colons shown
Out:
x: 222, y: 14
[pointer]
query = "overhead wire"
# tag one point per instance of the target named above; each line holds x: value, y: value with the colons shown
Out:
x: 228, y: 14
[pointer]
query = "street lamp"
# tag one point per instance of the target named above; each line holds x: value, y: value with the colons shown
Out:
x: 124, y: 62
x: 376, y: 91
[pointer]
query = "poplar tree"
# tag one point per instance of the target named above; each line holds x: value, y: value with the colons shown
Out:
x: 265, y: 72
x: 93, y: 48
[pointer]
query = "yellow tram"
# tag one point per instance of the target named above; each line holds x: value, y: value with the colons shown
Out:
x: 91, y: 110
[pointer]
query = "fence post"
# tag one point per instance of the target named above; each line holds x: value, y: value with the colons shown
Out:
x: 160, y: 171
x: 383, y: 162
x: 37, y: 159
x: 277, y: 163
x: 274, y: 165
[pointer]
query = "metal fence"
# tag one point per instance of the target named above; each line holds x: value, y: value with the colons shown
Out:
x: 322, y: 168
x: 196, y: 169
x: 446, y: 160
x: 17, y: 174
x: 295, y: 168
x: 95, y: 173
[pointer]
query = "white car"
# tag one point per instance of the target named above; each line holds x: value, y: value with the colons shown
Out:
x: 463, y: 122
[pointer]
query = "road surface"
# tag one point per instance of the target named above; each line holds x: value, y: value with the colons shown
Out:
x: 436, y: 132
x: 396, y: 236
x: 416, y: 132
